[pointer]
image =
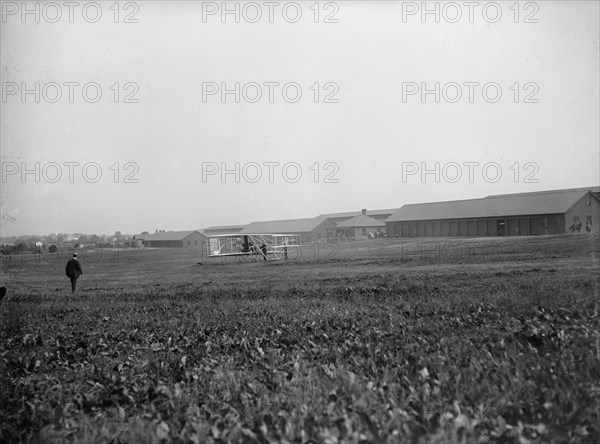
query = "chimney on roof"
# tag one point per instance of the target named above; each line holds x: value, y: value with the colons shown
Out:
x: 364, y: 211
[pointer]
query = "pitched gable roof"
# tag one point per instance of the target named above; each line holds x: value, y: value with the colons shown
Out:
x: 521, y: 204
x: 224, y: 227
x: 360, y: 221
x: 284, y: 226
x: 354, y: 213
x: 169, y: 235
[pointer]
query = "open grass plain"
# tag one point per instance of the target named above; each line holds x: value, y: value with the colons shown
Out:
x: 385, y: 340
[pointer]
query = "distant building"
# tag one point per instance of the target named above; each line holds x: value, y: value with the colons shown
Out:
x: 71, y: 244
x: 7, y: 247
x: 223, y: 229
x: 138, y: 239
x: 359, y: 226
x: 309, y: 229
x: 523, y: 214
x: 380, y: 215
x: 174, y: 239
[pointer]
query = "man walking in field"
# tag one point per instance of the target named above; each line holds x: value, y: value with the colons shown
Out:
x: 73, y: 271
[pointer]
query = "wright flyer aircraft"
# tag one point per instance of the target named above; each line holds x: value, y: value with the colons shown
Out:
x: 253, y: 247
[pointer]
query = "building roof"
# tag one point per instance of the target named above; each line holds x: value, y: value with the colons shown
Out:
x: 522, y: 204
x: 360, y: 221
x: 284, y: 226
x: 218, y: 227
x: 169, y: 235
x: 354, y: 213
x: 224, y: 227
x: 594, y: 190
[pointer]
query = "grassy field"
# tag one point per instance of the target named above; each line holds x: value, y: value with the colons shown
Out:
x: 427, y: 341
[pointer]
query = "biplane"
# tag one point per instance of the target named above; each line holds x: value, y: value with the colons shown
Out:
x: 253, y: 246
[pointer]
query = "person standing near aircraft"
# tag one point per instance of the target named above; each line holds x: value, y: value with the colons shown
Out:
x: 73, y: 271
x: 263, y: 250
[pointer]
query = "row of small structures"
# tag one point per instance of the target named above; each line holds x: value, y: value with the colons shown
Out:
x: 523, y: 214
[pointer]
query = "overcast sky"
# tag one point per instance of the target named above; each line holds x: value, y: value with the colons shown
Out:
x: 161, y: 157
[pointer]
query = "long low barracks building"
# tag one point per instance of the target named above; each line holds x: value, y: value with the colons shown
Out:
x: 523, y: 214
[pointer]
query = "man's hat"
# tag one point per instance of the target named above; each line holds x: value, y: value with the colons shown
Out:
x: 74, y: 254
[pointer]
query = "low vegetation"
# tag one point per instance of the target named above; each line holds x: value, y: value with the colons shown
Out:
x: 371, y: 345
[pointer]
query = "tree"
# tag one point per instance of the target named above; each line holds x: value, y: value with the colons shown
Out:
x: 117, y: 233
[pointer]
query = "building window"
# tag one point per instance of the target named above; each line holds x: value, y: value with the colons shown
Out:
x: 364, y: 231
x: 195, y: 241
x: 575, y: 219
x: 189, y: 242
x: 588, y: 220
